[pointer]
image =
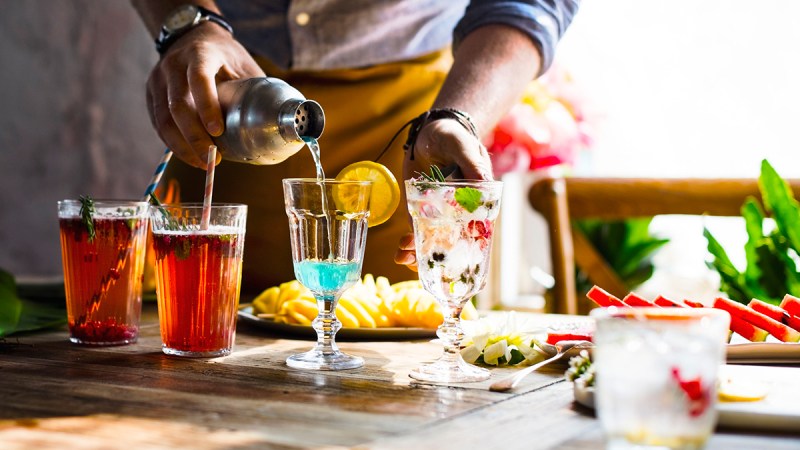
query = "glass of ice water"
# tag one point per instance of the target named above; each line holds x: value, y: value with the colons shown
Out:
x: 657, y: 375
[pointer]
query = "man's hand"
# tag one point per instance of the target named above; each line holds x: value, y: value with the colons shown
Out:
x: 406, y: 252
x: 442, y: 142
x: 445, y: 142
x: 182, y: 89
x: 491, y: 68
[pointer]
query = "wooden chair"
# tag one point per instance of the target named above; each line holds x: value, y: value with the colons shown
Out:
x: 560, y: 200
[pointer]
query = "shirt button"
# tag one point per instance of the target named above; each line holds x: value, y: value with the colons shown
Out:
x: 302, y: 19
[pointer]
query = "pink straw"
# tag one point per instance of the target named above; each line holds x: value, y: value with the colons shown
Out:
x: 212, y: 158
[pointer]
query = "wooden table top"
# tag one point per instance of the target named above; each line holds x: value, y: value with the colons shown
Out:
x: 57, y: 395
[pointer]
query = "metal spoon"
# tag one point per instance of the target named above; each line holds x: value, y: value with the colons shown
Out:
x: 562, y: 347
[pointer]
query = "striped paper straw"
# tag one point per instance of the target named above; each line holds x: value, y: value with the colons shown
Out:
x: 162, y: 166
x: 212, y: 158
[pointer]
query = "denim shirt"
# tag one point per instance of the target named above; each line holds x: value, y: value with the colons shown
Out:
x: 338, y: 34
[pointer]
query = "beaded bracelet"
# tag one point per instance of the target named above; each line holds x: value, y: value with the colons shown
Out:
x: 425, y: 118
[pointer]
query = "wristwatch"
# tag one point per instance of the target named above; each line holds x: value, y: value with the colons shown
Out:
x: 183, y: 19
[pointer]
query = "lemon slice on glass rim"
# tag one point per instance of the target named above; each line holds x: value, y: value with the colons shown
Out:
x: 385, y: 192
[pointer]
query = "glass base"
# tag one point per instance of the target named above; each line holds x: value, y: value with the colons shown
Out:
x: 79, y: 341
x: 674, y: 443
x: 317, y: 360
x: 444, y: 371
x: 188, y: 354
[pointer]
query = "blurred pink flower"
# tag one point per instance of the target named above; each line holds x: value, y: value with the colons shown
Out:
x: 547, y: 128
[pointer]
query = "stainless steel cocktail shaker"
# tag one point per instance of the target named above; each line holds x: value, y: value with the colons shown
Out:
x: 265, y: 120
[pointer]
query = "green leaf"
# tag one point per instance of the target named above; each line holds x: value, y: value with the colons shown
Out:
x: 754, y: 224
x: 10, y: 309
x: 773, y: 271
x: 783, y: 251
x: 730, y: 283
x: 635, y: 254
x: 717, y: 251
x: 18, y: 315
x: 638, y: 229
x: 36, y: 316
x: 614, y: 240
x: 516, y: 357
x: 6, y: 279
x: 731, y: 280
x: 469, y: 198
x: 626, y: 245
x: 780, y: 202
x: 639, y: 276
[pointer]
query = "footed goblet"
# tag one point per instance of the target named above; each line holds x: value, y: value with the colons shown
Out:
x: 453, y: 228
x: 328, y: 229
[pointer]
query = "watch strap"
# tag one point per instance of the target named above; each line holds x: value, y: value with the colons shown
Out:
x: 166, y: 39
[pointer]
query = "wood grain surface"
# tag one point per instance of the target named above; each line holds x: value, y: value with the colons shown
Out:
x: 58, y: 395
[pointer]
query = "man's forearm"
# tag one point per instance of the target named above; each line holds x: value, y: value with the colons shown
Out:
x: 492, y: 67
x: 153, y: 12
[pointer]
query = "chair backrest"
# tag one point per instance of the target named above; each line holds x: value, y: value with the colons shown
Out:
x: 561, y: 200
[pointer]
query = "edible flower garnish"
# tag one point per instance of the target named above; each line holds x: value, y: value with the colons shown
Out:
x: 500, y: 340
x: 581, y: 369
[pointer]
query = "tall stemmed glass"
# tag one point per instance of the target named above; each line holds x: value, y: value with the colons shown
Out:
x: 328, y: 228
x: 453, y: 228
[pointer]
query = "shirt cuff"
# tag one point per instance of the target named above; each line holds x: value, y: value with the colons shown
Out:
x: 544, y: 21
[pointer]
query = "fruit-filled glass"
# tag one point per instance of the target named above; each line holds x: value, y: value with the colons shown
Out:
x: 657, y: 375
x: 453, y: 228
x: 328, y: 230
x: 102, y: 250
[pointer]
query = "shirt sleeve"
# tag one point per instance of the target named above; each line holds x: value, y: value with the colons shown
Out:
x: 544, y: 21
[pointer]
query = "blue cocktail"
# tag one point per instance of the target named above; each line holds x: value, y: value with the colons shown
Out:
x: 327, y: 276
x: 328, y: 228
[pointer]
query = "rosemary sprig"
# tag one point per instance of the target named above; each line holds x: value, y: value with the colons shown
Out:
x: 435, y: 176
x: 87, y: 212
x: 172, y: 224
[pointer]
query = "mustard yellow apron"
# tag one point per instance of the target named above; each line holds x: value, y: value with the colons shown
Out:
x: 363, y: 110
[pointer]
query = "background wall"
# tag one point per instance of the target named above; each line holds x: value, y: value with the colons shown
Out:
x: 689, y: 88
x: 681, y: 88
x: 72, y: 118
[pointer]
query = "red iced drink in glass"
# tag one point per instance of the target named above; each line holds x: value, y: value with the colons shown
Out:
x: 103, y: 272
x: 198, y: 278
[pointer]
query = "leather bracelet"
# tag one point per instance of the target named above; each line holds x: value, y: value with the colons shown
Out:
x: 427, y: 117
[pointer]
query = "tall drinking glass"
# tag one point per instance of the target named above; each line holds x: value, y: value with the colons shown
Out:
x: 103, y: 264
x: 453, y: 228
x: 328, y: 229
x: 657, y: 375
x: 198, y: 276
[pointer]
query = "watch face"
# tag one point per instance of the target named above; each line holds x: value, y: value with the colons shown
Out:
x: 182, y: 17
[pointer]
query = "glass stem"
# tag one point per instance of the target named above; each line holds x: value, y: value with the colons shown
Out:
x: 450, y: 332
x: 326, y: 324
